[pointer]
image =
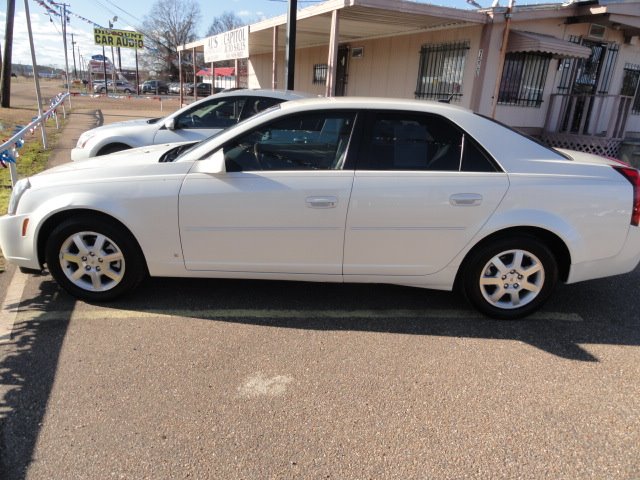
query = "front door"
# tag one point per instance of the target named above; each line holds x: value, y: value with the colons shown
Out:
x: 590, y: 76
x: 280, y: 207
x: 342, y: 73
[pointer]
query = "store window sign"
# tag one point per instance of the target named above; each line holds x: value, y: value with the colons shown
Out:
x: 227, y: 46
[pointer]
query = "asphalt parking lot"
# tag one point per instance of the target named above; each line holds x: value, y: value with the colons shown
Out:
x: 239, y: 379
x: 229, y: 379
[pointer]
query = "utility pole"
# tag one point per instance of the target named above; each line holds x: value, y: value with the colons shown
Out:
x: 6, y: 61
x: 64, y: 41
x: 36, y: 79
x: 73, y: 50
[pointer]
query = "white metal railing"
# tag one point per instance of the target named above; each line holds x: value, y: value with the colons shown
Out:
x: 9, y: 149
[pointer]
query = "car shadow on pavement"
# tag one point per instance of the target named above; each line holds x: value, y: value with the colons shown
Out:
x: 596, y: 312
x: 28, y: 365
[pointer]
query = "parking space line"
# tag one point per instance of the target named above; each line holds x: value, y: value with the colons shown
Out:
x: 11, y: 305
x: 212, y: 314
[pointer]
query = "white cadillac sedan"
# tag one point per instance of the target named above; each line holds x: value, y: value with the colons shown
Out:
x: 336, y: 190
x: 196, y: 121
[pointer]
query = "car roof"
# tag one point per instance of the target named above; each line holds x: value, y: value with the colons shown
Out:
x: 264, y: 92
x: 309, y: 102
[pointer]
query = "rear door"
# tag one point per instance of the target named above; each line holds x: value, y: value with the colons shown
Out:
x: 422, y: 189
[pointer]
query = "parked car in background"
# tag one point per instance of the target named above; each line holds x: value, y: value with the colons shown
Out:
x: 120, y: 87
x: 196, y: 121
x: 174, y: 87
x: 203, y: 89
x: 340, y: 190
x: 155, y: 86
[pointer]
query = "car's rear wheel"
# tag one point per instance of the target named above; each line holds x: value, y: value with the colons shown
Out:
x: 510, y: 278
x: 94, y: 259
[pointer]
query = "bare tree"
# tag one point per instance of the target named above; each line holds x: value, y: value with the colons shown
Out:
x: 170, y: 23
x: 225, y: 22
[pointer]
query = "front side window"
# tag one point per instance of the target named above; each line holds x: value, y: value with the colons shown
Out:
x: 441, y: 71
x: 422, y: 142
x: 523, y: 79
x: 310, y: 141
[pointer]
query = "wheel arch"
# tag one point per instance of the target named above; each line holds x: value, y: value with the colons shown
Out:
x: 54, y: 220
x: 557, y: 246
x: 103, y: 150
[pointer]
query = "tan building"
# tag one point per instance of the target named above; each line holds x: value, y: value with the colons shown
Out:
x: 568, y: 73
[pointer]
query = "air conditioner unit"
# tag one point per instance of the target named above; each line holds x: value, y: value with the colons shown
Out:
x: 597, y: 31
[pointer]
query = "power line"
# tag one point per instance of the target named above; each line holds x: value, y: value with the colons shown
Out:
x: 124, y: 11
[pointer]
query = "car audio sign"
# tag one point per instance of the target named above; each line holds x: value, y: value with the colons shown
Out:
x: 118, y: 38
x: 227, y: 46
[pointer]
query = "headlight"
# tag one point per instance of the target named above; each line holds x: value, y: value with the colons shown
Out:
x: 84, y: 138
x: 19, y: 188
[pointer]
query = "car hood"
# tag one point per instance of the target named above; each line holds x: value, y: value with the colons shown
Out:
x: 132, y: 163
x: 142, y: 122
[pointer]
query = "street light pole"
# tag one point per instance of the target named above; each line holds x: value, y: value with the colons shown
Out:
x: 113, y: 60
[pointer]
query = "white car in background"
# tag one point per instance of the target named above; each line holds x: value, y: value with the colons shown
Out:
x: 337, y: 190
x: 194, y: 122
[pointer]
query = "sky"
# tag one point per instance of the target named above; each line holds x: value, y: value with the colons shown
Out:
x: 48, y: 35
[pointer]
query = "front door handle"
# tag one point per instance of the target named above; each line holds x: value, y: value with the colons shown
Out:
x: 465, y: 199
x: 322, y: 202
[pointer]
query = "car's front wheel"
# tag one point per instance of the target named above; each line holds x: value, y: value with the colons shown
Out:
x: 510, y: 278
x: 94, y: 259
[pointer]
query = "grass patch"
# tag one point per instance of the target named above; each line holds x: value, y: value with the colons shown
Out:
x: 33, y: 159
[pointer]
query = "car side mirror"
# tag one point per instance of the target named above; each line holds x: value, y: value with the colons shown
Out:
x: 170, y: 124
x: 213, y: 165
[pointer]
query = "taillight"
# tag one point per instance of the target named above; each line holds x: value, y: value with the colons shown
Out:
x: 633, y: 176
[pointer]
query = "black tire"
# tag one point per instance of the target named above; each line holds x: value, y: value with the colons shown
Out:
x: 127, y: 91
x: 113, y: 148
x: 94, y: 259
x: 522, y: 264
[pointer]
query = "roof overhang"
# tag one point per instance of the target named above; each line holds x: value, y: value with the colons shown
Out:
x: 621, y: 15
x: 359, y: 20
x: 537, y: 42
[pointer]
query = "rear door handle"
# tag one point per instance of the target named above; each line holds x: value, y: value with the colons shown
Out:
x: 322, y: 202
x: 465, y: 199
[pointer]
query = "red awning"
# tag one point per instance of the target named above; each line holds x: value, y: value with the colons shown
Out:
x: 225, y: 72
x: 219, y: 72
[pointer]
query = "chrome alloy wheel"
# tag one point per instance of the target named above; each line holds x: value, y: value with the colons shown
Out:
x: 92, y: 261
x: 512, y: 279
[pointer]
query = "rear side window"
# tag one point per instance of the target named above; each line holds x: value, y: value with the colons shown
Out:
x: 423, y: 142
